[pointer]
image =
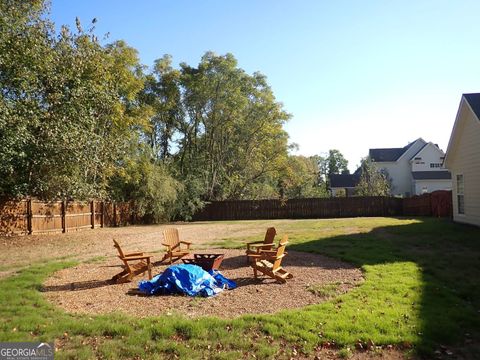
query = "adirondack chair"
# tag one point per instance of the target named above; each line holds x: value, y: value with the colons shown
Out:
x: 256, y: 247
x: 133, y: 264
x: 175, y: 251
x: 269, y: 262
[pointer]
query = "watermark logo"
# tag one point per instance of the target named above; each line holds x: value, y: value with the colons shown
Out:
x: 26, y: 351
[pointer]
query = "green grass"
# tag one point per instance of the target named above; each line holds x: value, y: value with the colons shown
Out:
x: 326, y: 290
x: 420, y: 291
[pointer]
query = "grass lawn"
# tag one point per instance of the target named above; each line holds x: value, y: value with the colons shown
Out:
x: 420, y: 294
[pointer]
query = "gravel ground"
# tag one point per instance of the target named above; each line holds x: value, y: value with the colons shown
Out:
x: 84, y: 289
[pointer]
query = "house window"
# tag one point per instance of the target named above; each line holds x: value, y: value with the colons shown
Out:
x: 460, y: 195
x: 435, y: 165
x: 418, y: 158
x: 424, y: 190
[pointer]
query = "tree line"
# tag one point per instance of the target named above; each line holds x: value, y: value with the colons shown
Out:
x: 80, y: 119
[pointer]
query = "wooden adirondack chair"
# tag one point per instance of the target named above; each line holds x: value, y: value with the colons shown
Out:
x: 267, y: 244
x: 269, y: 262
x: 133, y: 264
x: 175, y: 251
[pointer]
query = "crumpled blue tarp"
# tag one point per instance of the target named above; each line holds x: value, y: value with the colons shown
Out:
x: 186, y: 279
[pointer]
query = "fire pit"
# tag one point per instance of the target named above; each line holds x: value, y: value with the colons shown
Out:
x: 206, y: 261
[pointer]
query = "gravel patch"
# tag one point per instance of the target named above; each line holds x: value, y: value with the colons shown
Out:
x: 85, y: 289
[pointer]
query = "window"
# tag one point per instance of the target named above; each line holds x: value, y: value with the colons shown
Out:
x: 435, y: 165
x: 418, y: 158
x: 424, y: 190
x: 460, y: 196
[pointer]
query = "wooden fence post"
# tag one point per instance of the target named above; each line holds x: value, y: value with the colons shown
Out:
x: 64, y: 217
x: 29, y: 216
x: 92, y: 217
x: 114, y: 214
x: 102, y: 216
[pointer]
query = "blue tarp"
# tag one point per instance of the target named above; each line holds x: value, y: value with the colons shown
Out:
x: 186, y: 279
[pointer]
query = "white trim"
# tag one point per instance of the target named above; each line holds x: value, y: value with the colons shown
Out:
x: 456, y: 192
x: 401, y: 156
x: 415, y: 180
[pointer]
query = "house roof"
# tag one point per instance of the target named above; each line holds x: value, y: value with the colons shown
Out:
x: 474, y: 102
x: 344, y: 180
x: 389, y: 154
x: 432, y: 175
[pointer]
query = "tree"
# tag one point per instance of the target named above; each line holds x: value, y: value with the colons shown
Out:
x: 68, y: 105
x: 162, y: 93
x: 333, y: 163
x: 336, y: 163
x: 299, y: 179
x: 373, y: 182
x: 79, y: 119
x: 147, y: 182
x: 231, y: 136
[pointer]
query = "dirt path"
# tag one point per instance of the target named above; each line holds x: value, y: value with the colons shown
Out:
x: 20, y: 251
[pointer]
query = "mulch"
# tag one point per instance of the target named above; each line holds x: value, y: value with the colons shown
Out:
x: 86, y: 289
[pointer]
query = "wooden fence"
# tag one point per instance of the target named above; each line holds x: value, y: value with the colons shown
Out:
x: 35, y: 217
x: 435, y: 204
x: 38, y: 217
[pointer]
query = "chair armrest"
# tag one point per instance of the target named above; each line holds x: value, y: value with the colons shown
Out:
x: 137, y: 257
x: 167, y: 245
x: 273, y: 252
x: 261, y: 245
x: 254, y: 242
x: 133, y: 254
x: 185, y: 243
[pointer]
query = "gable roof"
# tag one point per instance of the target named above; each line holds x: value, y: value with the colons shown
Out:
x: 467, y: 102
x: 388, y: 154
x: 431, y: 175
x: 474, y: 102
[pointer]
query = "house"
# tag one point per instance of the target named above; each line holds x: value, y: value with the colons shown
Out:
x: 344, y: 184
x: 463, y: 159
x: 415, y: 169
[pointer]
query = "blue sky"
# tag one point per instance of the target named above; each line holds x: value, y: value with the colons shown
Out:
x: 354, y: 74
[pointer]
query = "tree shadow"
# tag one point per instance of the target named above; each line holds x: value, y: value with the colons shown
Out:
x: 447, y: 256
x: 78, y: 285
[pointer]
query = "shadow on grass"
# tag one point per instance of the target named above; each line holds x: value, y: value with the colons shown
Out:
x: 445, y: 259
x: 78, y: 285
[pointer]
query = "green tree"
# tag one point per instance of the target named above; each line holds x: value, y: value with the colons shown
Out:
x: 333, y: 163
x: 162, y: 93
x: 336, y: 163
x: 300, y: 178
x: 67, y: 108
x: 373, y: 181
x: 147, y: 183
x: 231, y: 137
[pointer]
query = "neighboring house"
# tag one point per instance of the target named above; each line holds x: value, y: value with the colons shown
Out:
x: 463, y: 159
x: 344, y: 183
x: 414, y: 169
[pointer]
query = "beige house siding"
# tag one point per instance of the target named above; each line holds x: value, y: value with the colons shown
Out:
x: 464, y: 158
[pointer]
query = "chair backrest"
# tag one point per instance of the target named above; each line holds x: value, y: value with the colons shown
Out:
x: 170, y: 236
x: 269, y: 236
x: 117, y: 245
x: 280, y: 252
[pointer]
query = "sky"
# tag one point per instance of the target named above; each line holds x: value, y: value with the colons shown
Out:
x: 354, y: 74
